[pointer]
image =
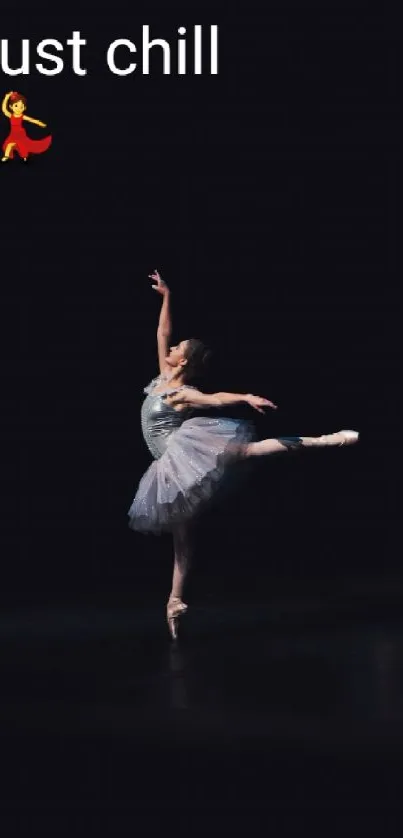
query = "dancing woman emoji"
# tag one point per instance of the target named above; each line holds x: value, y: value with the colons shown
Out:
x: 14, y: 106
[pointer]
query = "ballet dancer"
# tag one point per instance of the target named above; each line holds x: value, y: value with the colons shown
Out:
x: 193, y: 453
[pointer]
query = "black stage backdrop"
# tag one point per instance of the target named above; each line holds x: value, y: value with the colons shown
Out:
x: 266, y: 196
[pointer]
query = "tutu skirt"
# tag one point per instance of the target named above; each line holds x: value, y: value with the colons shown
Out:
x: 199, y: 459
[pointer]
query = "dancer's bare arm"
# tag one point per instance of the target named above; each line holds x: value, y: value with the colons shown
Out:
x: 164, y: 330
x: 34, y: 121
x: 5, y: 103
x: 195, y: 398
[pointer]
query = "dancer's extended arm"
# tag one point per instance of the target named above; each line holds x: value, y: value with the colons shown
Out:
x: 34, y: 121
x: 164, y: 330
x: 195, y: 398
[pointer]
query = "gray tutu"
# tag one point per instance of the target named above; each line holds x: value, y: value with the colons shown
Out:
x: 197, y: 459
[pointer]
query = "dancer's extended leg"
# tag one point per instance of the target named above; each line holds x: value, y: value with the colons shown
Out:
x: 182, y: 560
x: 275, y: 446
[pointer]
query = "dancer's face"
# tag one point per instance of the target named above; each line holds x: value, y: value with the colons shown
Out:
x: 18, y: 108
x: 177, y: 355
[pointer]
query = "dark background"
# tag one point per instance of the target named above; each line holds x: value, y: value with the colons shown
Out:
x: 266, y: 196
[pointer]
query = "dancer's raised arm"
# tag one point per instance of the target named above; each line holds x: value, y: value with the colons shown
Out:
x: 195, y: 398
x: 164, y: 330
x: 4, y: 104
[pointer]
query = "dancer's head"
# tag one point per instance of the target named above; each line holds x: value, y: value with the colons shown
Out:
x: 17, y: 104
x: 189, y: 359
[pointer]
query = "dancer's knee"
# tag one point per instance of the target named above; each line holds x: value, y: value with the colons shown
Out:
x: 246, y: 450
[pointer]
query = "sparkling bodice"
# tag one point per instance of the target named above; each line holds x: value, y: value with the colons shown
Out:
x: 159, y: 419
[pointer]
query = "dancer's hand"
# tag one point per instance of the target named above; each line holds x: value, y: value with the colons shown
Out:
x: 160, y: 286
x: 258, y: 403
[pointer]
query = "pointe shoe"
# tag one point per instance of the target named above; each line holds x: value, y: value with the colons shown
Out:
x: 175, y: 610
x: 340, y: 438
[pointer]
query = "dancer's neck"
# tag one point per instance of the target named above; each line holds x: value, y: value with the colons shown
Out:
x: 175, y: 378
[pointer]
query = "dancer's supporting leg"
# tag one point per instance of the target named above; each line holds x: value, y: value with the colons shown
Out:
x: 182, y: 559
x: 7, y: 152
x: 275, y: 446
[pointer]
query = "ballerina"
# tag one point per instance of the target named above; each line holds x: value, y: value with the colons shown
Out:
x: 193, y: 454
x: 14, y: 106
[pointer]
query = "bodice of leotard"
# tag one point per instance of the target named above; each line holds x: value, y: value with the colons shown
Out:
x: 159, y: 419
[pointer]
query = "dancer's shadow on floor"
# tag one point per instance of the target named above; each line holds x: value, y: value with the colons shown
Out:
x: 177, y: 664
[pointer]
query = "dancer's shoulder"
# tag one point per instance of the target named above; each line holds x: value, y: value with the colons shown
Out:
x: 155, y: 383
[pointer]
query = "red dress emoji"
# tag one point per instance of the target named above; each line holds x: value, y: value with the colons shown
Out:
x: 18, y: 140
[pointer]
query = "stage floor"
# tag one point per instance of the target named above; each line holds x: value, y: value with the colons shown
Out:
x: 259, y: 712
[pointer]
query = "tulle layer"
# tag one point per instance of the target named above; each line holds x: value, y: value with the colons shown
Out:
x: 178, y: 486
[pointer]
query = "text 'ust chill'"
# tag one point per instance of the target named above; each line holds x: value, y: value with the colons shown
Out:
x: 193, y: 51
